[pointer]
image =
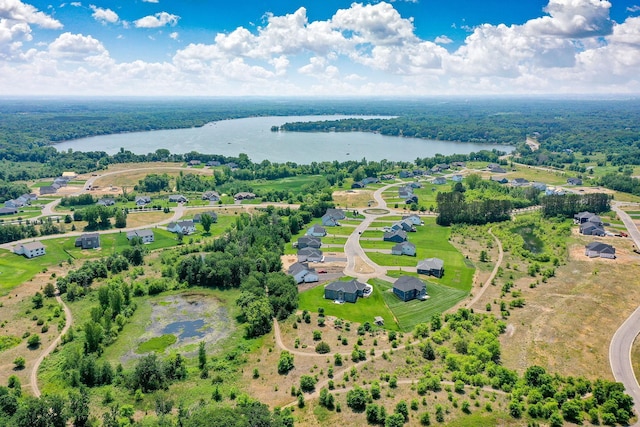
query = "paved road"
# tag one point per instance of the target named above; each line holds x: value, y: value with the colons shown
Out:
x: 33, y: 376
x: 622, y: 341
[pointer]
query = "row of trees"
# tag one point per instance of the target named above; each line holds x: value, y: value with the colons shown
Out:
x: 453, y: 209
x: 567, y: 205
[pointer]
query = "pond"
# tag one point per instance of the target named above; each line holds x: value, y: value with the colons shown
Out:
x: 253, y: 136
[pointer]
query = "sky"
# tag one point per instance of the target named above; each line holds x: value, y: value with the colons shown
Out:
x: 326, y: 48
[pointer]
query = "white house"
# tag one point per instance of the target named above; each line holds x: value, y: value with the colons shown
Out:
x: 310, y: 255
x: 146, y: 235
x: 30, y: 250
x: 404, y: 248
x: 301, y: 272
x: 602, y: 250
x: 184, y: 227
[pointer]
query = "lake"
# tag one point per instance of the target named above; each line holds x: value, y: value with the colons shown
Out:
x: 254, y: 137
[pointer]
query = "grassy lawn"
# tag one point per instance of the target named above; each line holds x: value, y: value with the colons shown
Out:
x: 393, y: 260
x: 362, y: 311
x: 376, y: 244
x: 410, y: 313
x: 16, y: 269
x: 292, y: 184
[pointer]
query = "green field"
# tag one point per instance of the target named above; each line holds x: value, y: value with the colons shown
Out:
x: 16, y: 269
x: 411, y: 313
x: 292, y: 184
x: 362, y: 311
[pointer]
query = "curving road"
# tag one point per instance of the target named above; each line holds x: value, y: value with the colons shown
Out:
x: 33, y: 376
x: 622, y: 341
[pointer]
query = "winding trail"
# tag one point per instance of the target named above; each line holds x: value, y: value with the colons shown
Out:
x: 33, y: 375
x: 622, y: 341
x: 477, y: 296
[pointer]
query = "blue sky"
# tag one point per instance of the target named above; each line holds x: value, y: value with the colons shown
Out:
x: 325, y: 48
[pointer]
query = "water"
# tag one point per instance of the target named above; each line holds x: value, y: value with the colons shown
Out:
x: 253, y: 137
x: 185, y: 329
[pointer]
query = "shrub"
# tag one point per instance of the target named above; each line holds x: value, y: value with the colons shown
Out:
x: 285, y: 363
x: 307, y: 383
x: 19, y: 362
x: 34, y: 341
x: 357, y: 399
x: 322, y: 348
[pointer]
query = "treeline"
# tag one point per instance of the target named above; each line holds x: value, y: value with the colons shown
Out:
x: 568, y: 205
x: 13, y: 232
x: 12, y: 190
x: 453, y: 209
x: 621, y: 182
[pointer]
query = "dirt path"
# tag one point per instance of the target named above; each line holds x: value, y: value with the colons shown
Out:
x: 477, y: 297
x: 33, y: 376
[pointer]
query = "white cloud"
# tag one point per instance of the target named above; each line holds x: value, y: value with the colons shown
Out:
x: 150, y: 1
x: 158, y: 20
x: 360, y: 50
x: 15, y: 10
x: 76, y: 4
x: 634, y: 8
x: 443, y: 40
x: 104, y: 15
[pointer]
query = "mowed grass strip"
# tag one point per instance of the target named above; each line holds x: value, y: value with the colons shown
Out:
x: 410, y: 313
x: 157, y: 344
x: 364, y: 310
x: 16, y: 269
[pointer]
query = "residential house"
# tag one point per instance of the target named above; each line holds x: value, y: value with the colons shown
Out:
x: 431, y: 267
x: 30, y: 250
x: 185, y: 227
x: 457, y: 178
x: 519, y: 182
x: 404, y: 225
x: 414, y: 184
x: 106, y: 202
x: 411, y: 199
x: 309, y: 254
x: 582, y: 217
x: 554, y: 191
x: 49, y: 189
x: 370, y: 180
x: 407, y: 288
x: 336, y: 213
x: 397, y: 236
x: 213, y: 163
x: 143, y: 200
x: 405, y: 191
x: 301, y: 272
x: 69, y: 175
x: 495, y: 168
x: 404, y: 248
x: 439, y: 180
x: 61, y: 181
x: 388, y: 177
x: 574, y: 181
x: 413, y: 218
x: 332, y: 216
x: 178, y: 198
x: 13, y: 203
x: 317, y: 231
x: 194, y: 162
x: 459, y: 164
x: 499, y: 179
x: 598, y: 249
x: 308, y: 242
x: 592, y: 229
x: 358, y: 184
x: 232, y: 165
x: 406, y: 174
x: 197, y: 218
x: 146, y: 235
x: 8, y: 211
x: 88, y: 241
x: 539, y: 186
x: 344, y: 291
x: 243, y: 195
x: 212, y: 196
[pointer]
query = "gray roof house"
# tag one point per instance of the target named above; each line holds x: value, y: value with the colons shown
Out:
x: 592, y: 229
x: 14, y: 203
x: 413, y: 218
x: 582, y: 217
x: 308, y: 242
x: 8, y: 211
x: 146, y: 235
x: 574, y: 181
x: 198, y: 217
x: 317, y: 231
x: 457, y: 178
x: 519, y: 182
x: 404, y: 248
x: 310, y: 255
x: 30, y: 250
x: 49, y: 189
x: 598, y: 249
x: 431, y: 267
x: 184, y: 227
x: 411, y: 199
x: 407, y: 288
x: 499, y: 179
x: 178, y: 198
x: 212, y: 196
x: 301, y: 272
x: 143, y: 200
x: 397, y: 236
x: 440, y: 180
x: 344, y: 291
x: 106, y: 202
x: 88, y: 241
x: 244, y: 195
x: 336, y: 213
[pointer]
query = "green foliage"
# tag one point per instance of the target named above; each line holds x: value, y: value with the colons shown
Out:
x: 285, y: 363
x: 322, y: 348
x: 307, y: 383
x: 33, y: 341
x: 357, y: 399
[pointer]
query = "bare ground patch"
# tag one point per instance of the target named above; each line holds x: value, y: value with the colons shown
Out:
x: 353, y: 198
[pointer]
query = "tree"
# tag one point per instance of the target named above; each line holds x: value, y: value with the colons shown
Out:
x: 93, y: 336
x: 79, y: 407
x: 49, y: 290
x: 258, y: 315
x: 149, y: 374
x: 307, y: 383
x: 202, y: 356
x: 37, y: 300
x: 402, y: 409
x: 19, y: 362
x: 34, y: 341
x: 483, y: 256
x: 120, y: 218
x: 394, y: 420
x: 357, y: 399
x: 428, y: 352
x: 322, y: 348
x: 206, y: 220
x: 285, y: 363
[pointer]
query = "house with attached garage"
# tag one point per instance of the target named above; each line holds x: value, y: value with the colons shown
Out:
x: 49, y: 189
x: 143, y: 200
x: 301, y: 272
x: 146, y: 235
x: 519, y: 182
x: 598, y: 249
x: 13, y: 203
x: 317, y: 231
x: 310, y: 255
x: 397, y: 236
x: 431, y: 267
x: 212, y: 196
x: 197, y: 218
x: 88, y: 241
x: 344, y: 291
x: 332, y: 217
x: 184, y: 227
x: 407, y: 288
x: 404, y: 248
x: 574, y: 181
x: 30, y: 250
x: 8, y: 211
x: 106, y: 202
x: 440, y: 180
x: 590, y: 228
x: 308, y: 242
x: 178, y: 198
x: 582, y: 217
x: 413, y: 218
